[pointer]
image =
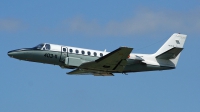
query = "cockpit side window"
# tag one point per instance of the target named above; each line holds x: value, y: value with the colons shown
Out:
x: 48, y: 47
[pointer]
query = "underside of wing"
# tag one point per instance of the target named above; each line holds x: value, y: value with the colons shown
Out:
x: 89, y: 72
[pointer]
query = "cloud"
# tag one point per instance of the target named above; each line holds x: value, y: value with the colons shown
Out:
x: 11, y: 25
x: 144, y: 21
x: 80, y: 25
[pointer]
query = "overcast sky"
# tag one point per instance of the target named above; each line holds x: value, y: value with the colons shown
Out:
x: 99, y: 24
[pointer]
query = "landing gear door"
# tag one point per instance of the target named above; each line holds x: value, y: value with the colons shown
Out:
x: 63, y: 54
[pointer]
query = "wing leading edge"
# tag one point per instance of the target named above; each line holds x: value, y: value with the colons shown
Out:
x: 115, y: 61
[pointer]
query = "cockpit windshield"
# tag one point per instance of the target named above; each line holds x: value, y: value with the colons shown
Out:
x: 43, y: 47
x: 39, y: 46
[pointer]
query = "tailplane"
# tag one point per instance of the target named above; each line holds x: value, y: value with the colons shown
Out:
x: 172, y: 48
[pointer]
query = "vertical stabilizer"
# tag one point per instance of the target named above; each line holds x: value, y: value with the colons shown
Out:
x: 172, y: 48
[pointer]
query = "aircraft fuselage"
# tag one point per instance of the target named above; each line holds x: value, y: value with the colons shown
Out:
x: 58, y: 54
x: 104, y: 63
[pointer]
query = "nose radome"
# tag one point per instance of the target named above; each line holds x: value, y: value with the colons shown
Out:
x: 13, y: 53
x: 10, y: 53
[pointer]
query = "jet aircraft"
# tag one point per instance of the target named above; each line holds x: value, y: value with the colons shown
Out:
x: 102, y: 63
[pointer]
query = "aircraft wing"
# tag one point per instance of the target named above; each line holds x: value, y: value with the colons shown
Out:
x: 115, y: 61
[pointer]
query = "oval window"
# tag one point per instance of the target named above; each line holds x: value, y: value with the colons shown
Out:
x: 64, y: 49
x: 95, y: 54
x: 77, y: 51
x: 70, y: 50
x: 88, y: 53
x: 83, y: 52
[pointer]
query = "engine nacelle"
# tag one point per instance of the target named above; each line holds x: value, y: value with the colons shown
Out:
x: 72, y: 61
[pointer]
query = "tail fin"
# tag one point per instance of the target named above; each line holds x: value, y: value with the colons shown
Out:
x: 172, y: 48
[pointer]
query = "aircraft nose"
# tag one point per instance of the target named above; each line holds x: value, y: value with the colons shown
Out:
x: 10, y: 53
x: 14, y: 53
x: 22, y: 54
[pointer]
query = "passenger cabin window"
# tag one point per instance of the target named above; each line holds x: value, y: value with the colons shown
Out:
x: 70, y: 50
x: 88, y: 53
x: 95, y: 54
x: 64, y: 49
x: 83, y: 52
x: 47, y: 47
x: 101, y: 54
x: 77, y: 51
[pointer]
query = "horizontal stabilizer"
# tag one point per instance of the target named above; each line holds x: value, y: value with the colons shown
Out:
x: 170, y: 54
